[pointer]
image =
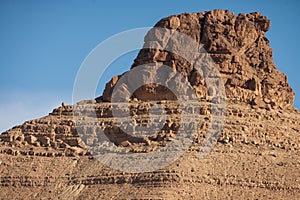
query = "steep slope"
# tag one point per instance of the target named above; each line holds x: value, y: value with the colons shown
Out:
x: 256, y: 157
x: 237, y: 45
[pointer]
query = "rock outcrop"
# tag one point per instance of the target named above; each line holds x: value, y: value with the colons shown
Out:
x: 237, y: 45
x: 256, y: 156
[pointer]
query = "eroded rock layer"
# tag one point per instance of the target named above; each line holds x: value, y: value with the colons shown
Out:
x: 257, y: 155
x: 237, y: 45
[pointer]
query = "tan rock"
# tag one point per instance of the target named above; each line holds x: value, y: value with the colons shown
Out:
x: 30, y: 139
x: 45, y: 141
x: 174, y: 22
x: 125, y: 143
x: 238, y: 46
x: 257, y: 153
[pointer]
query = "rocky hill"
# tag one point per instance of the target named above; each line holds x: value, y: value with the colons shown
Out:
x: 256, y: 155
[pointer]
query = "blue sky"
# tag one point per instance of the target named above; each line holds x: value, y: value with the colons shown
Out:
x: 43, y: 43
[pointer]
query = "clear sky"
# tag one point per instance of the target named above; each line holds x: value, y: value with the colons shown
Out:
x: 43, y: 43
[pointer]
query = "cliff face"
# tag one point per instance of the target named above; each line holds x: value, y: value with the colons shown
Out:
x: 237, y: 45
x: 257, y: 154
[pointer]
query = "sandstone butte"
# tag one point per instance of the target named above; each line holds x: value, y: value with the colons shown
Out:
x: 256, y: 156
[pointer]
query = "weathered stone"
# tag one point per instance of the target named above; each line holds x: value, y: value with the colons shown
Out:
x: 45, y: 141
x: 125, y: 143
x: 174, y: 22
x: 239, y: 48
x: 45, y: 159
x: 30, y: 139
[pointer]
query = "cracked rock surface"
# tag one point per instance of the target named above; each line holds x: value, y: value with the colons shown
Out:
x: 257, y: 155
